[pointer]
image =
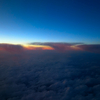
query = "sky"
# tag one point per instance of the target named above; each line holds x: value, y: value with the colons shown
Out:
x: 71, y: 21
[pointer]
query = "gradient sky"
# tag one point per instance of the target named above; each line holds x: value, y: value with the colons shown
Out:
x: 26, y: 21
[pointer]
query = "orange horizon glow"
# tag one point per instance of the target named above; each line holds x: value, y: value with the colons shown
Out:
x: 22, y: 47
x: 37, y: 47
x: 75, y: 47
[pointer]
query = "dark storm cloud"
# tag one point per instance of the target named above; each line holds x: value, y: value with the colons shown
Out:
x: 11, y: 47
x: 91, y: 48
x: 50, y: 76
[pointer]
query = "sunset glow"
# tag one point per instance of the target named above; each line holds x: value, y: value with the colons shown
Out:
x: 37, y: 47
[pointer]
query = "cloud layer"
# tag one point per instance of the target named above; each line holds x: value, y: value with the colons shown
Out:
x: 50, y: 76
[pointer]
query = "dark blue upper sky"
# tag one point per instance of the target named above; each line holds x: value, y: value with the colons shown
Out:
x: 25, y: 21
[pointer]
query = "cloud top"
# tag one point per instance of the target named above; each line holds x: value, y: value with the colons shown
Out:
x: 50, y: 76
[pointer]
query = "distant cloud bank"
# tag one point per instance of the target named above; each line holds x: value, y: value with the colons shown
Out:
x: 11, y: 48
x: 62, y: 47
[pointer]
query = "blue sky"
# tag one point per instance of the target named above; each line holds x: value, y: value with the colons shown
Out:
x: 26, y: 21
